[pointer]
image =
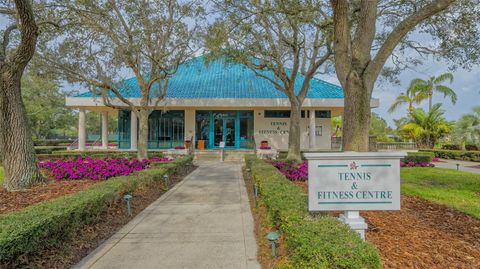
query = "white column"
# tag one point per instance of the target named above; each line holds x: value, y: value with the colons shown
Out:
x: 82, y: 133
x: 105, y: 129
x: 133, y: 131
x: 312, y: 128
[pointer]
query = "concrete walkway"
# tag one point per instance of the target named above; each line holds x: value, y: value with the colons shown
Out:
x: 203, y: 222
x: 464, y: 165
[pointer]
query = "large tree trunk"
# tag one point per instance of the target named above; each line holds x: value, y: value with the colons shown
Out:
x: 18, y: 152
x: 294, y: 153
x: 356, y: 123
x: 142, y: 152
x: 16, y: 145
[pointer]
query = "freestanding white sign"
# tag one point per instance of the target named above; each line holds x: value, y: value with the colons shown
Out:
x: 353, y: 181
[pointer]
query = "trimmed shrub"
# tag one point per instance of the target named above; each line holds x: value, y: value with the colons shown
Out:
x: 451, y: 147
x: 60, y: 142
x: 51, y: 223
x: 418, y: 157
x: 94, y: 154
x: 312, y: 242
x: 473, y: 156
x: 471, y: 147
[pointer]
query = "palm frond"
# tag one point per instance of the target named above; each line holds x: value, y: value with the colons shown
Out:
x: 400, y: 100
x: 416, y: 85
x: 447, y: 92
x: 443, y: 77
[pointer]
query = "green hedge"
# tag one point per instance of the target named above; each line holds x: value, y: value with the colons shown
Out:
x: 455, y: 154
x: 418, y: 157
x: 312, y: 242
x: 51, y: 223
x: 94, y: 154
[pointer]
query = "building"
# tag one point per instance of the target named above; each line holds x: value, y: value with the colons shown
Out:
x: 215, y: 102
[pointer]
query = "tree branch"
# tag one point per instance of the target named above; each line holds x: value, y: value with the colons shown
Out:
x: 403, y: 28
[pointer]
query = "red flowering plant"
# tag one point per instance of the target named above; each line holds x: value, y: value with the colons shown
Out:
x: 292, y: 170
x: 95, y: 169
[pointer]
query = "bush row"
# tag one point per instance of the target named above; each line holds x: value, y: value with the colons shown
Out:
x: 455, y: 154
x: 458, y: 147
x: 418, y: 157
x: 313, y: 242
x: 51, y: 223
x: 93, y: 154
x: 49, y: 149
x: 59, y: 142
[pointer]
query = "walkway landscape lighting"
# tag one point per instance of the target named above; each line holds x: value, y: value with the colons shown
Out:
x: 166, y: 181
x: 128, y: 198
x: 273, y: 237
x: 255, y: 194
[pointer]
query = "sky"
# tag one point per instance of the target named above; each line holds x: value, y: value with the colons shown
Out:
x: 466, y: 84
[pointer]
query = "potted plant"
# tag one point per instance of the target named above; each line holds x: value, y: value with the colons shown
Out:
x: 263, y: 144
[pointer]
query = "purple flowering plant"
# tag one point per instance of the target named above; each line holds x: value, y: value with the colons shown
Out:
x: 415, y: 164
x: 95, y: 169
x: 293, y: 171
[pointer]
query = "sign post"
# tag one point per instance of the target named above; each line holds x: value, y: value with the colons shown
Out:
x: 222, y: 148
x: 354, y: 181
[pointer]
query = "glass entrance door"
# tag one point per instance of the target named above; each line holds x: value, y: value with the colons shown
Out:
x: 235, y: 128
x: 224, y: 130
x: 218, y: 132
x: 229, y: 132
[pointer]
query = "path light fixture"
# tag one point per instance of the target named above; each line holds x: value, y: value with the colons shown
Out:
x: 458, y: 166
x: 166, y: 181
x: 255, y: 194
x: 273, y: 237
x: 128, y: 199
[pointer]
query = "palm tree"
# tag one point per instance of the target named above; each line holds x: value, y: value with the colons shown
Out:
x: 412, y: 96
x: 427, y: 87
x: 467, y: 128
x: 427, y: 127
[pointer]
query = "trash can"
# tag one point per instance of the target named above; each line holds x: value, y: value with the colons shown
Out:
x: 201, y: 144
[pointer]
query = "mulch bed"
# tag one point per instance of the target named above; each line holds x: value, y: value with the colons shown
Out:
x: 72, y: 251
x: 423, y: 235
x: 12, y: 201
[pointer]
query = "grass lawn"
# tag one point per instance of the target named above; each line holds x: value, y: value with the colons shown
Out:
x: 2, y: 174
x: 456, y: 189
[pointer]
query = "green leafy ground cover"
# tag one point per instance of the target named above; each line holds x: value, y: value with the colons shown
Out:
x: 456, y: 189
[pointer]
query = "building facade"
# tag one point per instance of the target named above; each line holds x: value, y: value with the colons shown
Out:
x: 219, y: 102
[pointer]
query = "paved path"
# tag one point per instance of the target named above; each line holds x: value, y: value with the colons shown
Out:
x: 203, y: 222
x: 464, y: 165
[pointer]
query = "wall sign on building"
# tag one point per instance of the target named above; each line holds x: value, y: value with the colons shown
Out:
x: 354, y: 181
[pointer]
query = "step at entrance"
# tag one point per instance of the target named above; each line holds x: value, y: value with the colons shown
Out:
x: 216, y: 155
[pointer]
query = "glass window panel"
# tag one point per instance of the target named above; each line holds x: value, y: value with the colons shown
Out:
x: 245, y: 114
x: 323, y: 114
x: 277, y: 113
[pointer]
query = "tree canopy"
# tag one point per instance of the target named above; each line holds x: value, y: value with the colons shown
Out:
x: 370, y: 35
x: 288, y: 39
x: 106, y: 41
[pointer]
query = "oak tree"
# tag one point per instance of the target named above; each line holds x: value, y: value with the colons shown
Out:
x: 284, y: 42
x: 18, y: 42
x: 371, y: 33
x: 107, y: 40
